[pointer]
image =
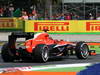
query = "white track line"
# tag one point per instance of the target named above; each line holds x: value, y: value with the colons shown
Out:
x: 59, y: 66
x: 45, y: 67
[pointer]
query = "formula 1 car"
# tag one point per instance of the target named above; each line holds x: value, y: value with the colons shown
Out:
x: 40, y: 47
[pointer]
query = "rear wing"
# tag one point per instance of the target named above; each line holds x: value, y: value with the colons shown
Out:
x: 14, y: 35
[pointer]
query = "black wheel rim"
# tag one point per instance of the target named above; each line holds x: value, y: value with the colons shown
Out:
x: 45, y: 54
x: 84, y: 51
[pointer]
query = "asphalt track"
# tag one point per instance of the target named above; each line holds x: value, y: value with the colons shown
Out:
x: 68, y: 60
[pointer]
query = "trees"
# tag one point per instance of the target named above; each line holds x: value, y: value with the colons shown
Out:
x: 49, y: 7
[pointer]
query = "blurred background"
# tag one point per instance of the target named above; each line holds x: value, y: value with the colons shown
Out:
x: 51, y: 9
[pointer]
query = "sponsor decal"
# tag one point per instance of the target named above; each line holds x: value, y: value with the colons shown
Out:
x: 7, y: 23
x: 92, y: 26
x: 52, y: 26
x: 15, y: 69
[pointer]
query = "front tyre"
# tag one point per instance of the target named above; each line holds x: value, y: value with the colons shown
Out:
x: 41, y: 53
x: 82, y: 50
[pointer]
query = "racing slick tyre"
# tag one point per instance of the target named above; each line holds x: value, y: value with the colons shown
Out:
x: 82, y: 50
x: 6, y: 54
x: 41, y: 53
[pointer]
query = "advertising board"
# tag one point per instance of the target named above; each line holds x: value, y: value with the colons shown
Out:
x: 66, y: 26
x: 10, y: 24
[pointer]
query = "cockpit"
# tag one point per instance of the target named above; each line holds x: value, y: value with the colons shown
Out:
x: 41, y: 36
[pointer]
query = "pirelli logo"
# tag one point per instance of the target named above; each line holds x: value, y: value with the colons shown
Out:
x: 52, y: 26
x: 92, y: 26
x: 7, y: 23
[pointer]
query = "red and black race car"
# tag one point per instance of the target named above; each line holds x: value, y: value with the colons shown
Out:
x: 40, y: 47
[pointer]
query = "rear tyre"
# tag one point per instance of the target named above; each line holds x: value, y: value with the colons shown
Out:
x: 82, y: 50
x: 6, y: 53
x: 41, y: 53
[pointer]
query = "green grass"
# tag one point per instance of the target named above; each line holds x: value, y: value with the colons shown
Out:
x: 97, y: 48
x: 76, y: 69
